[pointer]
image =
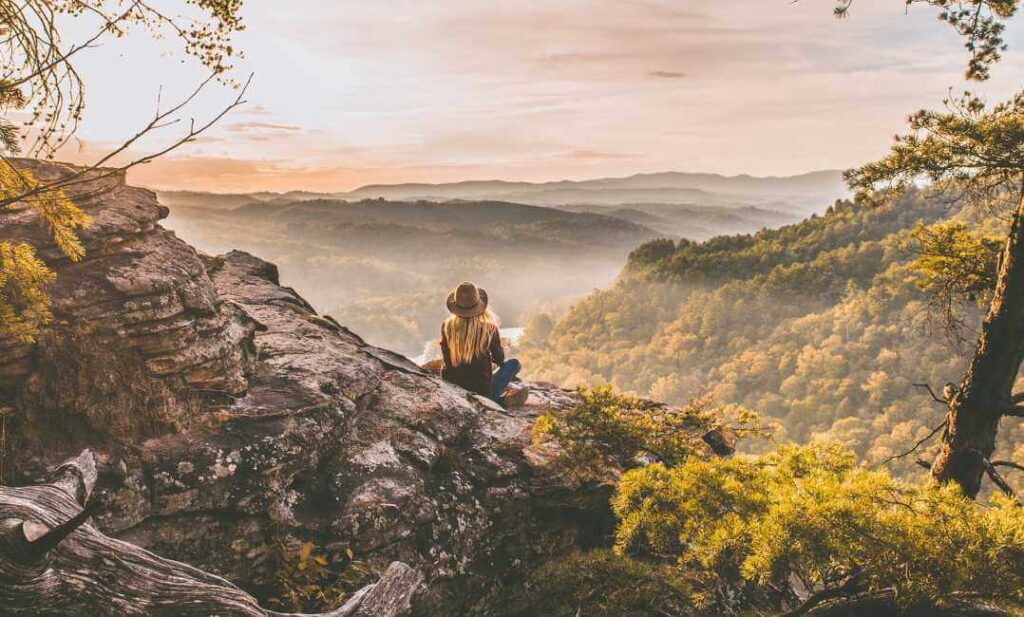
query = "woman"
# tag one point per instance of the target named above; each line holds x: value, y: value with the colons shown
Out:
x: 470, y: 342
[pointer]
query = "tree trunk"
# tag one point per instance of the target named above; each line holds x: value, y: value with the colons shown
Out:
x: 985, y: 393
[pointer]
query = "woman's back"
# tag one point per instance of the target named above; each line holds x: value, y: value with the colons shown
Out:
x: 469, y: 346
x: 471, y: 342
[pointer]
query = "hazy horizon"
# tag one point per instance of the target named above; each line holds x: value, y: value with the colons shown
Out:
x: 553, y: 180
x: 346, y: 95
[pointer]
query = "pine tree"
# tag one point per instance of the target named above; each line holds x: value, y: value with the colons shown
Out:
x: 975, y: 154
x: 24, y: 302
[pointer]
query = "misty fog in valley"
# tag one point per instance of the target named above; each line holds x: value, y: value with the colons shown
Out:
x: 382, y: 259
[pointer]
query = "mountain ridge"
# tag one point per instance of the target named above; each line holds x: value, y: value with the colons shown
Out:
x: 803, y: 192
x: 691, y: 176
x: 814, y: 187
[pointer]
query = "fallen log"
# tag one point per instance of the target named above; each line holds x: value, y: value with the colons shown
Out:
x: 52, y: 562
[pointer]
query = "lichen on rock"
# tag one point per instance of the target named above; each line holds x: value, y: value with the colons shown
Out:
x: 226, y: 414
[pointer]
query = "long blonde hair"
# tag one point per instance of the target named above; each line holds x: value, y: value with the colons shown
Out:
x: 469, y: 337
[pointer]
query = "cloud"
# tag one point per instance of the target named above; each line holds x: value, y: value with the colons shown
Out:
x: 257, y: 110
x: 599, y: 155
x: 578, y: 57
x: 541, y: 89
x: 666, y: 74
x: 246, y: 127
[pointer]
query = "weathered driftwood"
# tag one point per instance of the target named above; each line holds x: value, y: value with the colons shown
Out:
x: 391, y: 596
x: 53, y: 563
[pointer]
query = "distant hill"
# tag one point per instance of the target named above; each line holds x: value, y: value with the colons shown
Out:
x: 227, y: 201
x: 507, y: 226
x: 696, y: 222
x: 803, y: 193
x: 458, y: 213
x: 212, y: 201
x: 693, y: 222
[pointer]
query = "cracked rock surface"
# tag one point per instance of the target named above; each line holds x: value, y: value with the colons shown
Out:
x: 227, y: 415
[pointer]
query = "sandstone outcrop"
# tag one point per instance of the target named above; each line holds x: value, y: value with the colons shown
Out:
x: 227, y: 417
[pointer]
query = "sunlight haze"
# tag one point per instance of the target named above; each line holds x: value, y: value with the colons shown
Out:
x: 347, y: 93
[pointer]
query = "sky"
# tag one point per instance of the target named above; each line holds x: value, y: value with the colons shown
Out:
x: 348, y: 93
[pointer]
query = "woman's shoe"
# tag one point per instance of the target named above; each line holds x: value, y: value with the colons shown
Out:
x: 515, y: 396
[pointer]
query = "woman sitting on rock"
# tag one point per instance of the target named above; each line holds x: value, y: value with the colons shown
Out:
x: 470, y: 342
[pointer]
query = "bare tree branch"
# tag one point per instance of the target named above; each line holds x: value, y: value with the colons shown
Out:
x: 64, y: 57
x: 917, y: 445
x: 998, y: 479
x: 990, y: 471
x: 1016, y: 411
x: 1009, y: 464
x: 849, y: 587
x: 161, y: 119
x: 931, y: 392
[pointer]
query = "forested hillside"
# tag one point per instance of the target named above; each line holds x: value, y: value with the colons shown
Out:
x: 821, y: 325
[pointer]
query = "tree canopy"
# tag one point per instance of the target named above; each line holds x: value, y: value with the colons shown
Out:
x: 794, y: 529
x: 969, y: 150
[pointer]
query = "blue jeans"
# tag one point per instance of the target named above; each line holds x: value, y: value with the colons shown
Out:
x: 502, y: 377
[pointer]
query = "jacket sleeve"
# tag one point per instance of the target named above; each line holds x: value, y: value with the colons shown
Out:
x: 445, y: 352
x: 497, y: 351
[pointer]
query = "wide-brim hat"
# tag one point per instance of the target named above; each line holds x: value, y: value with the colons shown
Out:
x: 467, y: 300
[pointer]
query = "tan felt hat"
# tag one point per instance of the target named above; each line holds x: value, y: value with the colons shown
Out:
x: 467, y: 300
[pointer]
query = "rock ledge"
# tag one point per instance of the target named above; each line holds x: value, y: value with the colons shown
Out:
x: 227, y: 416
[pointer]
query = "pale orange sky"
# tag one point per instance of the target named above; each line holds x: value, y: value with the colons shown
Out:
x: 349, y: 93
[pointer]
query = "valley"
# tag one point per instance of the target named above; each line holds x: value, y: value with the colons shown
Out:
x: 382, y: 259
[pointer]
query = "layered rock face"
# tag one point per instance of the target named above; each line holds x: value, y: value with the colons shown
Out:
x: 139, y: 335
x: 229, y: 417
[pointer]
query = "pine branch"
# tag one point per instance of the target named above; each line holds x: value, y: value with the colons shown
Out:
x: 1009, y: 464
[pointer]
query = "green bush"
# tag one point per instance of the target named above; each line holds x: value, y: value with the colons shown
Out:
x: 809, y: 517
x: 609, y: 430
